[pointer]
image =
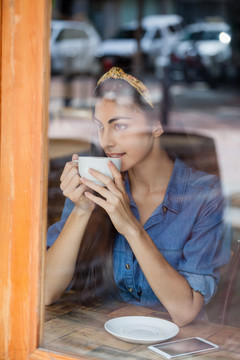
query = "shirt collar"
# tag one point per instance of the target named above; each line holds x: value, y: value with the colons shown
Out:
x: 175, y: 191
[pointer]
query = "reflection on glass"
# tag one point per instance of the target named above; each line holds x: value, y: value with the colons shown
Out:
x: 154, y: 240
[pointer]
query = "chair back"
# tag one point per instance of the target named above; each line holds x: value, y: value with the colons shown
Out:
x: 195, y: 150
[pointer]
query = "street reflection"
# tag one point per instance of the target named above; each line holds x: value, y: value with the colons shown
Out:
x: 195, y: 91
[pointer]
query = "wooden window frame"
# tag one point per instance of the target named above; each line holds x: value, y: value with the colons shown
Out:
x: 24, y: 95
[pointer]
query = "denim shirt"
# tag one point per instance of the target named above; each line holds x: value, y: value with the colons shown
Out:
x: 187, y: 228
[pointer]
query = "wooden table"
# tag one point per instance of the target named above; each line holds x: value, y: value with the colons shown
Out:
x: 77, y: 330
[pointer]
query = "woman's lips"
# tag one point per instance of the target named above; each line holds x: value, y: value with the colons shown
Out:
x: 116, y: 155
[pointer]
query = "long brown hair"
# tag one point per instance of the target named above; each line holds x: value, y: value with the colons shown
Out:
x: 93, y: 278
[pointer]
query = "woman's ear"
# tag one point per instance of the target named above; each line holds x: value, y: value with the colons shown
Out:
x: 157, y: 130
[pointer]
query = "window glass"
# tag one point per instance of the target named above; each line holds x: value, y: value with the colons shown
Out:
x: 202, y: 35
x: 172, y: 28
x: 158, y: 34
x: 71, y: 34
x: 128, y: 34
x: 175, y: 106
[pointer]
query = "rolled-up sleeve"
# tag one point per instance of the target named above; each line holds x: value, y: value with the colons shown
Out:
x: 55, y: 229
x: 208, y: 247
x: 204, y: 284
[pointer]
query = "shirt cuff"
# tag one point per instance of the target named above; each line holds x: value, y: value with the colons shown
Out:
x: 53, y: 232
x: 204, y: 284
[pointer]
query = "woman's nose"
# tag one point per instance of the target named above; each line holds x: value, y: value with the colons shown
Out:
x: 106, y: 139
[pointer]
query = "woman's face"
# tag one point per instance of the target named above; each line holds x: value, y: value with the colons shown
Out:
x: 123, y: 131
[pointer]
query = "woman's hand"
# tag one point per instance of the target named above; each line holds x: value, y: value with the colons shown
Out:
x: 115, y: 202
x: 73, y: 188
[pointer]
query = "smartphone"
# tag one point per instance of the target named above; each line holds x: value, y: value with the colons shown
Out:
x: 177, y: 348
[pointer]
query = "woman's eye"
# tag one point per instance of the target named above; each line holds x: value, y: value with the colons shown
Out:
x: 120, y: 126
x: 99, y: 126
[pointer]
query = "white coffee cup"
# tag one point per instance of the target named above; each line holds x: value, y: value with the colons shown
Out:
x: 97, y: 163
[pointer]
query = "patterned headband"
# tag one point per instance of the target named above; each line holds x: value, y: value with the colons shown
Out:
x: 118, y: 73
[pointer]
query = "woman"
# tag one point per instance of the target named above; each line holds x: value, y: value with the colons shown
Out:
x: 165, y: 239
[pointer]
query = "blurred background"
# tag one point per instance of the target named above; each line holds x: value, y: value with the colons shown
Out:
x: 188, y: 54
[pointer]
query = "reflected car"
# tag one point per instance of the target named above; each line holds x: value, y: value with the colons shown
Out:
x: 73, y: 47
x: 157, y: 32
x: 203, y: 53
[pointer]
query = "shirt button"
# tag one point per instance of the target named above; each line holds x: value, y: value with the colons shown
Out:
x: 164, y: 209
x: 130, y: 290
x: 127, y: 266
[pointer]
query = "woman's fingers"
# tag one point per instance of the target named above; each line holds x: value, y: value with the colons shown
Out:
x: 74, y: 184
x: 77, y: 193
x: 107, y: 181
x: 69, y: 165
x: 75, y: 157
x: 97, y: 200
x: 117, y: 176
x: 72, y: 179
x: 98, y: 188
x: 73, y: 188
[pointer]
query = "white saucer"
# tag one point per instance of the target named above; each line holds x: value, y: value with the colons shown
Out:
x: 141, y: 329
